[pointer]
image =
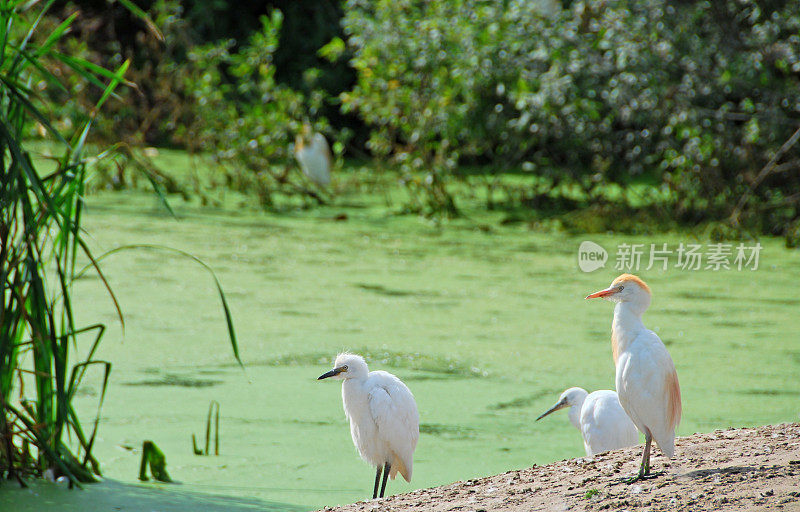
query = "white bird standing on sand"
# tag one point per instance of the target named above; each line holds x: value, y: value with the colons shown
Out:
x: 384, y: 421
x: 646, y: 379
x: 314, y: 156
x: 600, y: 418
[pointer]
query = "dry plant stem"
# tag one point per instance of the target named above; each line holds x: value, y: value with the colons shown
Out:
x: 765, y: 171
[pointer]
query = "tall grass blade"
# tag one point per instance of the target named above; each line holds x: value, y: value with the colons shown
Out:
x: 146, y: 168
x: 31, y: 30
x: 56, y: 34
x: 101, y: 275
x: 77, y: 375
x: 132, y: 7
x: 220, y: 291
x: 13, y: 90
x: 42, y: 443
x: 115, y: 81
x: 19, y: 158
x: 89, y: 69
x: 40, y: 244
x: 213, y: 409
x: 43, y: 72
x: 216, y: 430
x: 80, y: 67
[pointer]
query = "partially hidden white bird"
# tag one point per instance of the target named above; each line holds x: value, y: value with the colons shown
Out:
x: 314, y: 156
x: 646, y: 380
x: 384, y: 421
x: 600, y: 418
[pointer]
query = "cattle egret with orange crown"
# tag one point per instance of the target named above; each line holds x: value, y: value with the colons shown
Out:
x: 647, y: 383
x: 600, y: 419
x: 314, y: 156
x: 384, y: 421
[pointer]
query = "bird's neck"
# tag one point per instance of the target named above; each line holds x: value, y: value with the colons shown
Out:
x: 626, y: 326
x: 575, y: 414
x: 355, y: 399
x: 353, y: 383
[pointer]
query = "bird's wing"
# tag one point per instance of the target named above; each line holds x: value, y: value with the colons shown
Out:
x: 652, y: 391
x: 395, y: 413
x: 604, y: 423
x: 321, y: 143
x: 315, y: 160
x: 670, y: 391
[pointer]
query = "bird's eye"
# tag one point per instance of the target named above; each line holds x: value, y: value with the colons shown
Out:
x: 344, y: 368
x: 621, y: 288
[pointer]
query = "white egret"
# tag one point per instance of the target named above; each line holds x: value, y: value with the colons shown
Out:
x: 314, y: 156
x: 600, y: 419
x: 647, y: 383
x: 384, y: 421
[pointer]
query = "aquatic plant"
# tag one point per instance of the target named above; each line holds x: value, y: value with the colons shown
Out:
x: 213, y: 409
x: 43, y: 359
x: 152, y: 456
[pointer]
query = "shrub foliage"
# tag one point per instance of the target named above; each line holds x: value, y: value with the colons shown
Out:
x: 694, y: 96
x: 244, y: 120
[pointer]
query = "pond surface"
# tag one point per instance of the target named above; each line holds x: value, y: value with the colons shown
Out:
x: 486, y: 328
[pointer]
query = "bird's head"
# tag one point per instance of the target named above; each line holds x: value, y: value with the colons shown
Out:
x: 347, y: 366
x: 303, y: 138
x: 569, y: 398
x: 626, y: 288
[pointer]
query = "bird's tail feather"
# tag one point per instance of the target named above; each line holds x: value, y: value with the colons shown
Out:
x: 400, y: 465
x: 667, y: 444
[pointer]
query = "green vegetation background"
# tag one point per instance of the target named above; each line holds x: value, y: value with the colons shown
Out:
x: 476, y: 144
x: 540, y: 107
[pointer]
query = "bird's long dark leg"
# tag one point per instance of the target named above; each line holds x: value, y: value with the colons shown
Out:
x: 386, y: 469
x: 377, y: 481
x: 644, y: 469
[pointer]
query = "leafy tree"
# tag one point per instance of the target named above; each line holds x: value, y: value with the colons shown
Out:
x: 245, y: 121
x: 696, y: 96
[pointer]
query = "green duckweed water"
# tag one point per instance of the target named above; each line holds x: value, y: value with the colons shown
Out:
x: 486, y: 328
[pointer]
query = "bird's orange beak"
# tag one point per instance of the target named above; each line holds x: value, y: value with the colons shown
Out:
x: 603, y: 293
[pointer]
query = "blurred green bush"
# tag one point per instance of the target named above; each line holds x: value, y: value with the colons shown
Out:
x: 243, y: 119
x: 693, y: 96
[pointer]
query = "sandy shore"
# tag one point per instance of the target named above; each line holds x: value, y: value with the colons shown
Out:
x: 732, y: 470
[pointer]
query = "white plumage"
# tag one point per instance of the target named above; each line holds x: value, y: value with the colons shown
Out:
x: 384, y: 421
x: 646, y: 380
x: 599, y: 417
x: 314, y: 156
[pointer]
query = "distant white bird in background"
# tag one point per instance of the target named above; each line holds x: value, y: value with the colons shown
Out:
x: 600, y: 418
x: 314, y: 156
x: 384, y: 421
x: 647, y: 383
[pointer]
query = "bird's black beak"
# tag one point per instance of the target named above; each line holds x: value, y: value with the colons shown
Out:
x: 332, y: 373
x: 559, y: 405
